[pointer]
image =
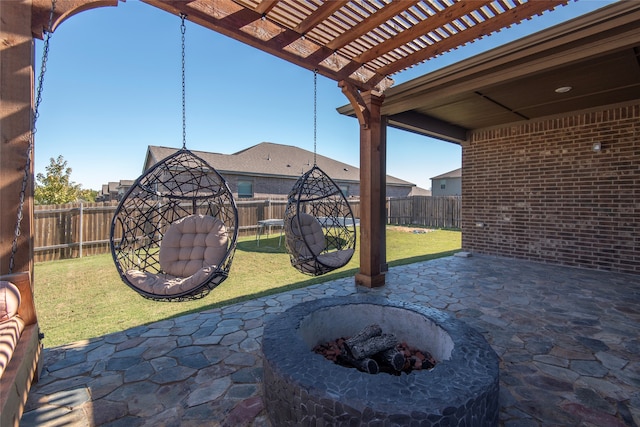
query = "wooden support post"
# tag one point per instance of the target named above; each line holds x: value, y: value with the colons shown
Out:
x: 372, y: 228
x: 16, y: 106
x: 372, y: 184
x: 382, y: 202
x: 22, y: 20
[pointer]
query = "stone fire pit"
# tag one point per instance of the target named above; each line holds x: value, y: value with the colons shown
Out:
x: 302, y: 388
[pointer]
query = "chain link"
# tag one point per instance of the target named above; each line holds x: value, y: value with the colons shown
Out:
x: 315, y: 113
x: 183, y: 30
x: 27, y: 167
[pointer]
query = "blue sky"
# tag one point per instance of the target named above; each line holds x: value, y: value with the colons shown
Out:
x: 113, y: 87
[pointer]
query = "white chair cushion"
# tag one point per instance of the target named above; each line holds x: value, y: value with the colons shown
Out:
x: 335, y: 259
x: 308, y: 229
x: 191, y: 244
x: 164, y: 284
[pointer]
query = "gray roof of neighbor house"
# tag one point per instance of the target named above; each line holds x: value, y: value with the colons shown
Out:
x: 419, y: 191
x: 125, y: 182
x: 272, y: 160
x: 456, y: 173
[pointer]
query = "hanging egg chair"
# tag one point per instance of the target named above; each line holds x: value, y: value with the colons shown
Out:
x: 319, y: 226
x: 173, y: 235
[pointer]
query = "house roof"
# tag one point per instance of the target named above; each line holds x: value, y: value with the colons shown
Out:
x: 360, y: 43
x: 419, y: 191
x: 457, y: 173
x: 597, y: 55
x: 268, y: 159
x: 125, y: 183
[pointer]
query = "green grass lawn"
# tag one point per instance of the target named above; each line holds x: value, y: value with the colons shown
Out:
x: 78, y: 299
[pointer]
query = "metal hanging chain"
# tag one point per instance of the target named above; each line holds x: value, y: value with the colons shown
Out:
x: 27, y: 167
x: 183, y: 29
x: 315, y: 113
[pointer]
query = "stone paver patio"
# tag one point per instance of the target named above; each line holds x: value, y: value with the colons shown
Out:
x: 568, y: 341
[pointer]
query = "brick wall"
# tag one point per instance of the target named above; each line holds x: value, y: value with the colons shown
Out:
x: 538, y: 191
x: 275, y: 188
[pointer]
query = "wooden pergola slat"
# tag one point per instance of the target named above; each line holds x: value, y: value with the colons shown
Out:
x: 373, y: 39
x: 503, y: 20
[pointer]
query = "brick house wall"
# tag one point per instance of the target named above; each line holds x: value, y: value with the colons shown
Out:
x: 538, y: 190
x: 263, y: 187
x: 278, y: 188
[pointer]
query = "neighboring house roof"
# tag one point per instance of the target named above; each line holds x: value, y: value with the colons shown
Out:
x: 419, y: 191
x: 113, y: 186
x: 457, y: 173
x: 125, y: 184
x: 272, y: 160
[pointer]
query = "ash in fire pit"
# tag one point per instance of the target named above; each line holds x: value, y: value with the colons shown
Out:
x: 372, y: 352
x: 302, y: 389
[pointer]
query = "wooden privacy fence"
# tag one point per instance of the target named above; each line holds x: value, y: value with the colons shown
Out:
x: 75, y: 230
x: 436, y: 212
x: 72, y: 230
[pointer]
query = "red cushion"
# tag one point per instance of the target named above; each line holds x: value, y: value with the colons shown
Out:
x: 9, y: 300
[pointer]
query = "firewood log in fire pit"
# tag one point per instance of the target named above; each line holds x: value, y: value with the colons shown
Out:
x: 371, y: 351
x: 367, y: 365
x: 371, y: 346
x: 393, y: 358
x: 373, y: 330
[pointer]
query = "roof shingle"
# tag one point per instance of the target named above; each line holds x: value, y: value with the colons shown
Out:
x: 270, y: 159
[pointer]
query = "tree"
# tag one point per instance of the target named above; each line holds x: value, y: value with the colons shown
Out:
x: 87, y: 195
x: 56, y: 186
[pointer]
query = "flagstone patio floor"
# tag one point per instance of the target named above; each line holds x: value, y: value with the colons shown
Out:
x: 568, y: 340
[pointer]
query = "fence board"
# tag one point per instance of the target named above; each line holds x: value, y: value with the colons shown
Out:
x: 437, y: 212
x: 57, y: 227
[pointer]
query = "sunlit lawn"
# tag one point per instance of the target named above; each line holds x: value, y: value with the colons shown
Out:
x: 83, y: 298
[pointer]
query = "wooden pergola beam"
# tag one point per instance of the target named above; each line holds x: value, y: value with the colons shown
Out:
x: 16, y: 95
x: 63, y: 10
x: 372, y: 185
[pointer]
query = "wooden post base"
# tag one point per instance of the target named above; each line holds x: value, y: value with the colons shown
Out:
x: 370, y: 281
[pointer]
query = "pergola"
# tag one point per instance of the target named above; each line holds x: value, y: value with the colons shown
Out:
x: 357, y: 43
